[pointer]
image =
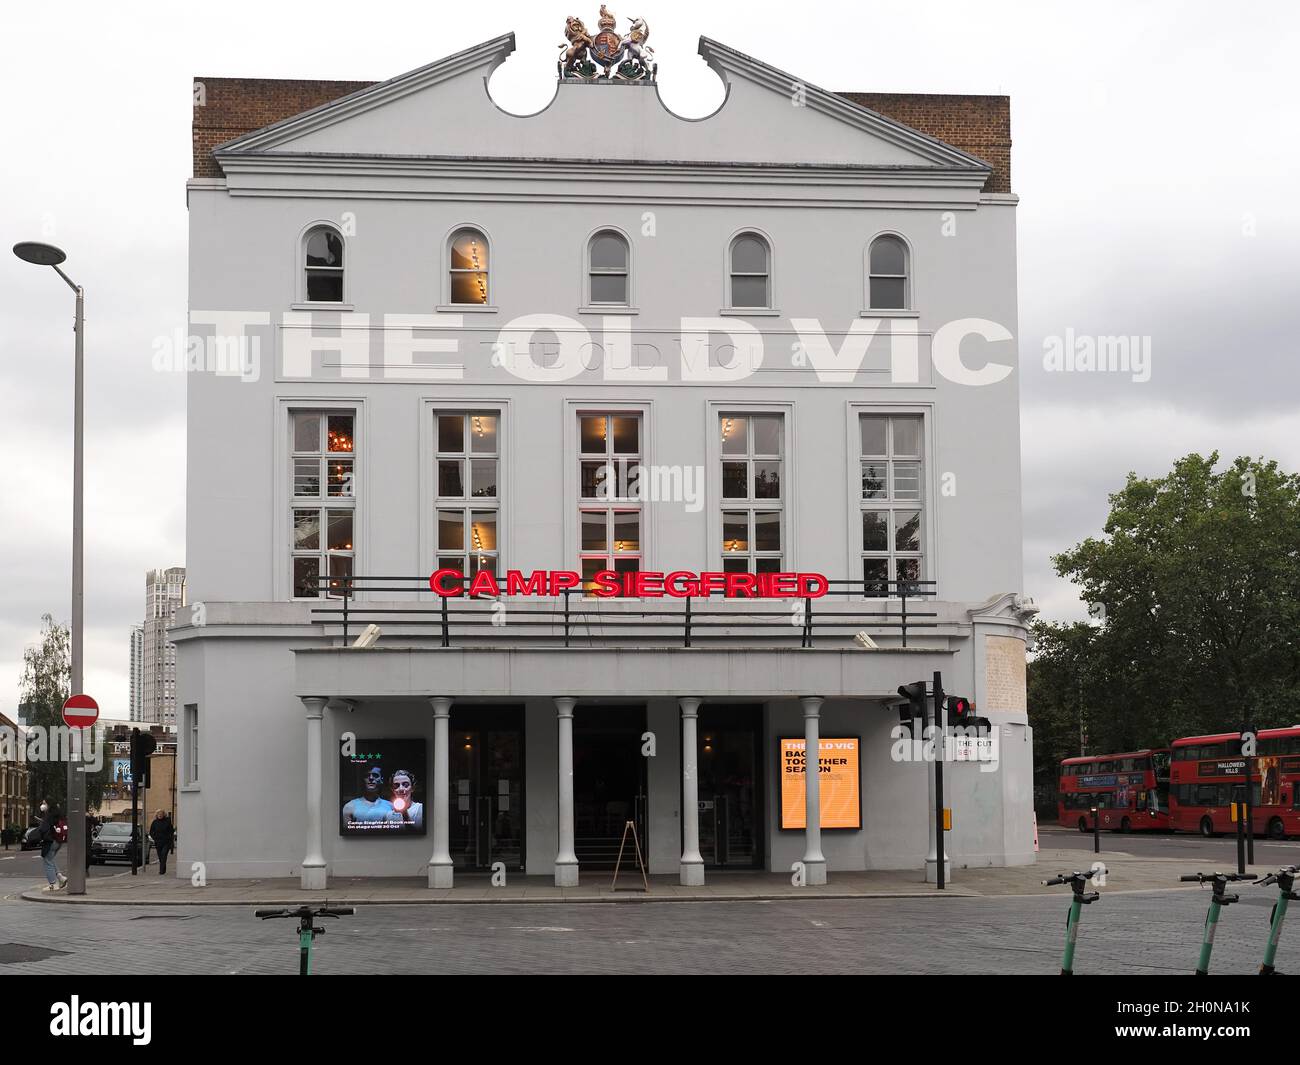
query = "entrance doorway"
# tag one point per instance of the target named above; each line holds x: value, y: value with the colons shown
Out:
x: 487, y: 786
x: 730, y: 786
x: 609, y: 783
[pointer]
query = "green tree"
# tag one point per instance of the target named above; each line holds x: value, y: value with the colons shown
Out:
x: 45, y: 686
x: 1198, y: 582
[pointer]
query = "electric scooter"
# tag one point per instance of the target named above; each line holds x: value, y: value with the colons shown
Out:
x: 1077, y: 881
x: 307, y: 932
x: 1218, y: 900
x: 1285, y: 881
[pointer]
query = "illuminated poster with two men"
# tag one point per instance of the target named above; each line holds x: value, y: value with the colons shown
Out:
x: 382, y: 788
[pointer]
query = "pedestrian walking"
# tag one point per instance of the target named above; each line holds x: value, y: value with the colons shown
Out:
x: 52, y: 827
x: 163, y: 834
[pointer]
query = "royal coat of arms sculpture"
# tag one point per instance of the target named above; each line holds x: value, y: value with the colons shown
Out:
x: 606, y: 55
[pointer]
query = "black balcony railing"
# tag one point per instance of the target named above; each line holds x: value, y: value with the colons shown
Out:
x: 688, y: 618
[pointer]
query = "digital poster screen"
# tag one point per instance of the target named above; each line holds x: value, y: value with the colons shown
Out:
x: 839, y: 780
x: 382, y: 788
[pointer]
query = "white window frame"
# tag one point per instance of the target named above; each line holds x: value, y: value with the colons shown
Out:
x: 589, y: 303
x: 769, y: 308
x: 300, y: 269
x: 610, y: 507
x: 471, y: 308
x: 750, y: 504
x: 466, y: 504
x: 322, y: 503
x: 191, y: 723
x: 930, y: 561
x: 282, y: 526
x: 906, y: 275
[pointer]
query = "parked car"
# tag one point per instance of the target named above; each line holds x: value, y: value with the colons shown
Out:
x: 112, y: 844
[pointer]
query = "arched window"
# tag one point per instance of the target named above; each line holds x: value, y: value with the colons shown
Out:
x: 323, y: 265
x: 607, y: 269
x: 469, y: 267
x: 751, y: 278
x: 888, y: 281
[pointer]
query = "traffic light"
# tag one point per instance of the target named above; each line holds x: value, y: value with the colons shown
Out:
x: 961, y: 711
x: 914, y: 708
x: 142, y: 746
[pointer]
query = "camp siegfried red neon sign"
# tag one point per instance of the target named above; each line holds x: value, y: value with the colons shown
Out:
x: 680, y: 584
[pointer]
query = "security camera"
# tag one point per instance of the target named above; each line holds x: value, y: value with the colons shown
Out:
x: 368, y: 637
x: 865, y: 642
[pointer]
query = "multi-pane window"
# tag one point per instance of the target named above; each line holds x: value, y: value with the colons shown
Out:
x: 752, y: 509
x: 466, y: 489
x: 609, y: 505
x: 469, y: 267
x: 893, y: 498
x: 323, y: 473
x: 323, y: 264
x: 607, y: 266
x: 888, y: 274
x: 750, y: 272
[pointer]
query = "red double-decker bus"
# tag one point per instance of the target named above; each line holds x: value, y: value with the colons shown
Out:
x: 1130, y: 791
x: 1208, y: 773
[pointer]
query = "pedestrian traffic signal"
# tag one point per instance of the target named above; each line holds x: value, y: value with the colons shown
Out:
x: 142, y: 746
x: 961, y: 711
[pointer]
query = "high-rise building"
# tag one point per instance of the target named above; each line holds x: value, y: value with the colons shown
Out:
x: 164, y: 592
x: 137, y: 673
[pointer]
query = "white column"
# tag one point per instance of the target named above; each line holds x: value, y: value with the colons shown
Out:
x: 313, y: 863
x: 440, y: 868
x: 566, y: 861
x: 814, y: 862
x: 692, y: 868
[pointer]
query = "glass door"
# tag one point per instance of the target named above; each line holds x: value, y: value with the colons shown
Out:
x: 730, y: 812
x: 609, y: 784
x: 486, y: 787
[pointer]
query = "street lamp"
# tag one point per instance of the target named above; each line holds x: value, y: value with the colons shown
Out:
x: 48, y: 255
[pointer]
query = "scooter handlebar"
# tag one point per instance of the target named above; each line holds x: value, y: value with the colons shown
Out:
x: 1202, y: 877
x: 1066, y: 878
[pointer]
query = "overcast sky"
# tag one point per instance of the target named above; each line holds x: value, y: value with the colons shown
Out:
x: 1155, y: 156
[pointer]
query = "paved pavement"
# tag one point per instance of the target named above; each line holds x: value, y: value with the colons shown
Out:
x: 1221, y: 850
x: 1137, y: 933
x: 1126, y: 872
x: 990, y: 921
x: 27, y: 864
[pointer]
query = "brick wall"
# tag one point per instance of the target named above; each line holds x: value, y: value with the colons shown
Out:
x: 980, y: 125
x: 231, y: 107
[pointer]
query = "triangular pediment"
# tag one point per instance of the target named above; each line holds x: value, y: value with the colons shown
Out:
x: 444, y: 110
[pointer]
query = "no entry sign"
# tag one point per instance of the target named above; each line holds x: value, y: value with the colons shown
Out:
x: 80, y: 711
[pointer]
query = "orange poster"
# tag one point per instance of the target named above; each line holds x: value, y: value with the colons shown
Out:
x: 839, y: 780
